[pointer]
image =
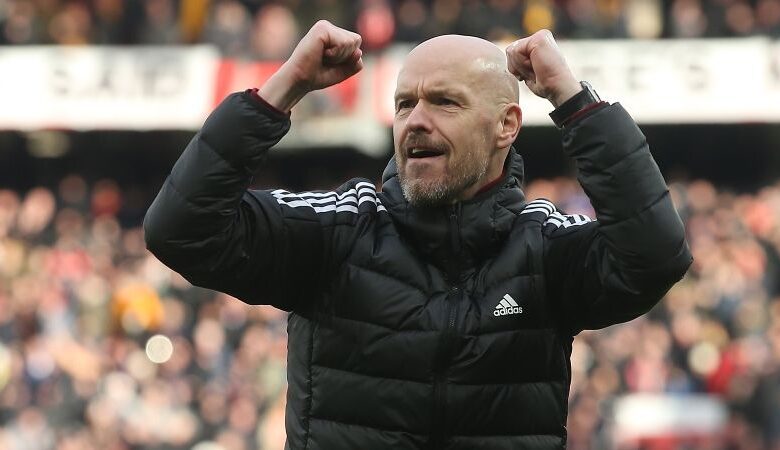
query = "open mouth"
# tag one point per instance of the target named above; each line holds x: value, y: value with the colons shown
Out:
x: 420, y: 152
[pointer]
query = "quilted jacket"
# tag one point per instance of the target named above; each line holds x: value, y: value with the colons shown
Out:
x: 409, y: 328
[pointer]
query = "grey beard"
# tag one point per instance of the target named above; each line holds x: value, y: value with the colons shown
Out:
x: 441, y: 192
x: 423, y: 194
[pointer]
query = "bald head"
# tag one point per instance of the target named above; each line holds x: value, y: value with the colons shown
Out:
x: 482, y: 60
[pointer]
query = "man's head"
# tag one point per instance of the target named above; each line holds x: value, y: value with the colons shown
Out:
x: 456, y: 116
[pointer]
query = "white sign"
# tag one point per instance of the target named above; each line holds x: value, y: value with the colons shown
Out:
x: 637, y: 416
x: 106, y: 87
x: 682, y: 81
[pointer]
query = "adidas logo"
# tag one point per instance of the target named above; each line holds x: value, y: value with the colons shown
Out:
x: 507, y: 306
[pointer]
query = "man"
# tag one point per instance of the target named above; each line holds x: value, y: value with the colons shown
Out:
x: 438, y: 312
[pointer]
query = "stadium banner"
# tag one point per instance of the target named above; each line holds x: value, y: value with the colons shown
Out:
x: 674, y: 420
x: 95, y: 87
x: 683, y: 81
x: 137, y: 88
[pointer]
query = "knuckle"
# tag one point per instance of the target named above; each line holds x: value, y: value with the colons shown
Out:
x: 322, y: 25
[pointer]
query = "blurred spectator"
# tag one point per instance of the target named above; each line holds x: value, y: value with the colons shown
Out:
x: 160, y: 25
x: 228, y: 28
x: 21, y: 24
x: 768, y: 17
x: 71, y: 25
x: 109, y: 18
x: 411, y: 17
x: 192, y: 19
x: 644, y: 18
x: 275, y: 33
x: 375, y: 23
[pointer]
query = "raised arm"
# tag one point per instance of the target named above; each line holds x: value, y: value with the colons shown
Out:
x: 618, y: 267
x: 207, y: 226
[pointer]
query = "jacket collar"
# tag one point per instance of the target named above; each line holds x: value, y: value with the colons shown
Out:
x: 481, y: 223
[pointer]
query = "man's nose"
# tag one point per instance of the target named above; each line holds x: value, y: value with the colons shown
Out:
x: 419, y: 118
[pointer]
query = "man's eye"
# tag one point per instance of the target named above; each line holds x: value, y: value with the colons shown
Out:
x: 444, y: 101
x: 403, y: 104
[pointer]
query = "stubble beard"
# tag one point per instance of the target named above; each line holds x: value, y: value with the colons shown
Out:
x: 463, y: 174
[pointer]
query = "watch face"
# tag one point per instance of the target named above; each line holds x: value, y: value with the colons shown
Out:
x: 589, y: 89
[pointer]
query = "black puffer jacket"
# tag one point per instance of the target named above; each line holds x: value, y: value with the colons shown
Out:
x: 439, y: 328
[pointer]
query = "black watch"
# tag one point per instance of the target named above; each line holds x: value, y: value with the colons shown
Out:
x: 580, y: 100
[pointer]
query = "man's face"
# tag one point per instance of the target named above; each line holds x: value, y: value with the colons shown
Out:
x: 443, y: 130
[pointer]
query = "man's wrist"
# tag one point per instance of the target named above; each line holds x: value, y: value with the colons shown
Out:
x: 563, y: 95
x: 583, y: 100
x: 282, y: 91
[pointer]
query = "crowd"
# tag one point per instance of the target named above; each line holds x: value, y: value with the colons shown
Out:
x: 263, y: 29
x: 81, y: 299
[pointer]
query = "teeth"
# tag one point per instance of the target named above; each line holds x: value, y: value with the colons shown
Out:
x: 416, y: 152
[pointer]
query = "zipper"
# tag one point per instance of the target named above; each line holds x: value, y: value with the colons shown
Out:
x: 453, y: 300
x: 454, y: 240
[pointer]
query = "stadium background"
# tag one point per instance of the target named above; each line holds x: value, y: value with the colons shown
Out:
x: 88, y: 318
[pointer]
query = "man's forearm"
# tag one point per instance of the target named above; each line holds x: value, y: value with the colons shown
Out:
x: 282, y: 91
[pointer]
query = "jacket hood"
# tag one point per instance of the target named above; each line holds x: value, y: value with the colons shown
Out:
x: 466, y: 231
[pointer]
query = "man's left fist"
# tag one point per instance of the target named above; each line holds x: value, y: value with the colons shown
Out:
x: 538, y: 61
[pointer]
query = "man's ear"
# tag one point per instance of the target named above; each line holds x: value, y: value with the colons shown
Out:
x: 509, y: 127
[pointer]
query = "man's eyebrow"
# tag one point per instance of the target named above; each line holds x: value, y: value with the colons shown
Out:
x: 447, y: 92
x: 434, y: 92
x: 401, y: 94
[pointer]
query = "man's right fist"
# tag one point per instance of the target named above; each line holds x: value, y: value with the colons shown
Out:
x: 327, y: 55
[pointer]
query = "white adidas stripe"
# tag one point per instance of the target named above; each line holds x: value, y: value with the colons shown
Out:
x: 319, y: 201
x: 312, y: 202
x: 503, y: 303
x: 510, y: 300
x: 322, y: 196
x: 559, y: 220
x: 554, y: 217
x: 533, y: 210
x: 538, y: 206
x: 337, y: 208
x: 331, y: 199
x: 360, y: 191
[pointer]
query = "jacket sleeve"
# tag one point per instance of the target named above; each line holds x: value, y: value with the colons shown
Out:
x: 616, y: 268
x: 206, y: 225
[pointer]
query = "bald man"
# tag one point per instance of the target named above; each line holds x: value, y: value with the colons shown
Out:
x: 439, y: 311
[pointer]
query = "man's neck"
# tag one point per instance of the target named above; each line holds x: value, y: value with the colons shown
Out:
x: 491, y: 184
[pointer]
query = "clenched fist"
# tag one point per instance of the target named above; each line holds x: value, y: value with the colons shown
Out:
x: 327, y: 55
x: 538, y: 61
